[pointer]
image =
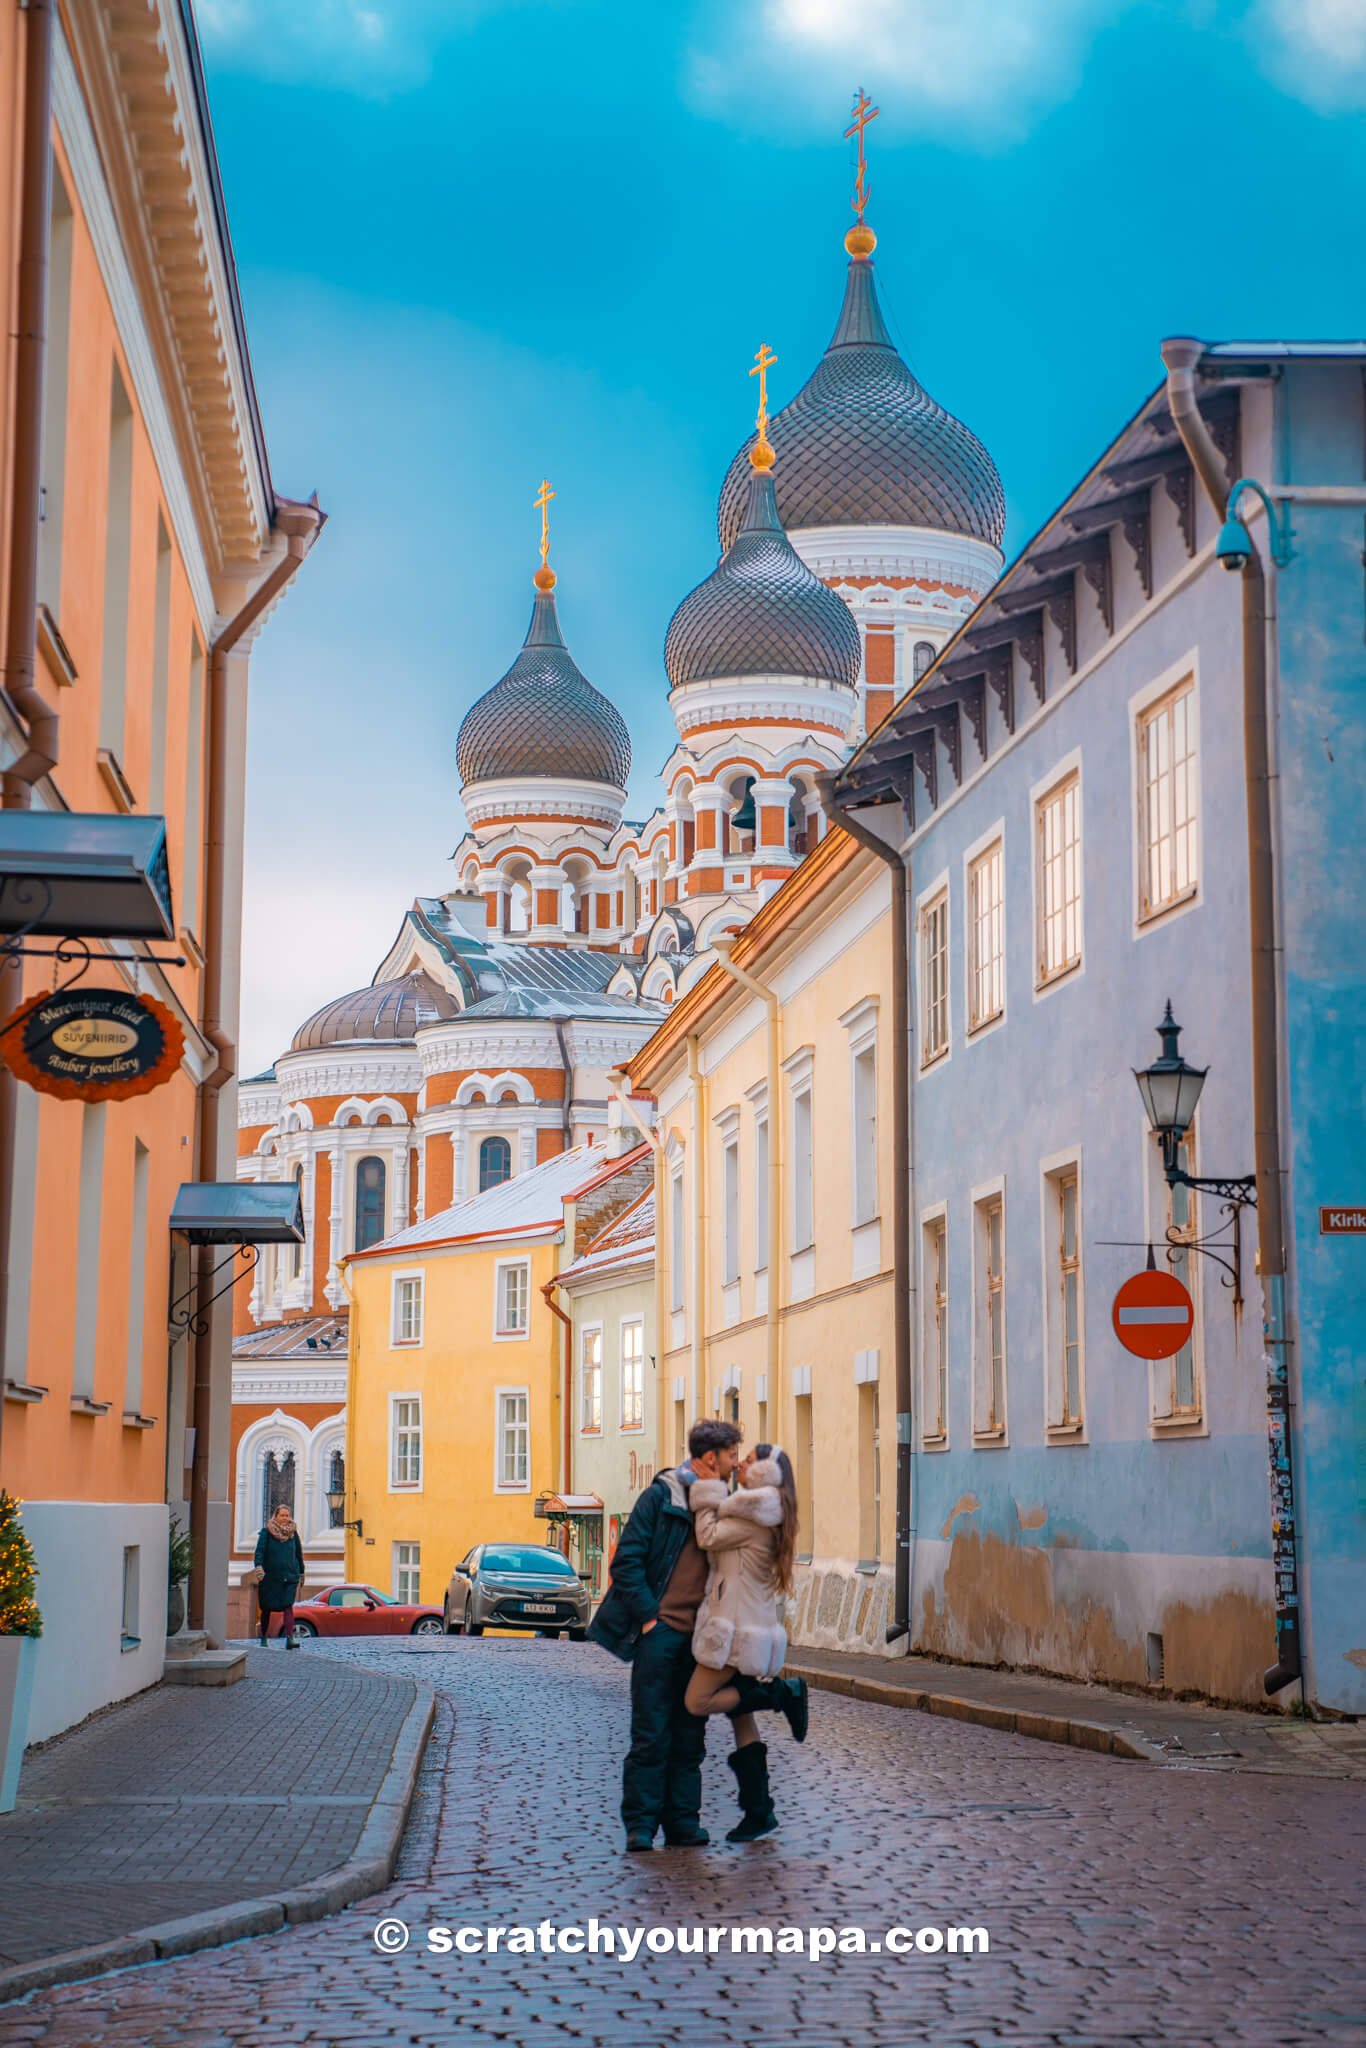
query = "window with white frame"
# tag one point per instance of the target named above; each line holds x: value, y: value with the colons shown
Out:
x: 513, y: 1298
x: 1057, y: 838
x: 590, y: 1383
x: 803, y: 1208
x: 935, y: 1241
x: 863, y: 1104
x: 730, y: 1211
x: 986, y: 937
x: 633, y: 1375
x: 1167, y: 801
x: 513, y: 1433
x: 1063, y: 1246
x: 407, y: 1308
x: 761, y: 1191
x: 677, y: 1232
x: 407, y: 1573
x: 1175, y: 1382
x: 989, y: 1403
x: 934, y: 978
x: 405, y: 1441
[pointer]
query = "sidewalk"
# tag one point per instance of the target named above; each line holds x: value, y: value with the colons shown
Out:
x: 1163, y: 1731
x: 192, y: 1816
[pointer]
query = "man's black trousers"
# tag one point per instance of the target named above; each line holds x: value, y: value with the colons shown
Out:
x: 661, y: 1782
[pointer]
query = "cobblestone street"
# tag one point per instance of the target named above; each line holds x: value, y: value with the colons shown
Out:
x: 1125, y: 1904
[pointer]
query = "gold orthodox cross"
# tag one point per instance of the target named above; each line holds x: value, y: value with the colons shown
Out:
x: 542, y: 503
x: 864, y: 112
x: 763, y: 363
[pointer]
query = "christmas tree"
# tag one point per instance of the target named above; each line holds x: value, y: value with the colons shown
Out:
x: 19, y: 1614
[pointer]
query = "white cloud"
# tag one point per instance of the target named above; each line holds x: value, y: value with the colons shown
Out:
x: 371, y: 47
x: 1315, y: 49
x: 984, y: 67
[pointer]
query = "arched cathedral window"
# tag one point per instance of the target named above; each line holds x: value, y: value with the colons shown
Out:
x: 495, y: 1163
x: 296, y: 1251
x: 923, y: 656
x: 369, y: 1202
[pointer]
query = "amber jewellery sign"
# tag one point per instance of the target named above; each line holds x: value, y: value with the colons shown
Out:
x: 93, y: 1044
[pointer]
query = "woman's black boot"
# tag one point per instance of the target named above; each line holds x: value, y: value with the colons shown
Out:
x: 750, y: 1766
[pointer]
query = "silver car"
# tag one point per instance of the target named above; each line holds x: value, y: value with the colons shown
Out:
x: 516, y: 1585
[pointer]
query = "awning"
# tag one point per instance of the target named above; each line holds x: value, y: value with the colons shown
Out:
x: 79, y: 875
x: 239, y: 1212
x: 569, y: 1504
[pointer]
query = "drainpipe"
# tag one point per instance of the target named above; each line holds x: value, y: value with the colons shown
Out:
x: 721, y: 947
x: 1181, y: 356
x: 903, y: 1272
x: 566, y: 1404
x: 566, y: 1103
x: 697, y: 1089
x: 21, y: 619
x: 301, y: 525
x: 619, y: 1087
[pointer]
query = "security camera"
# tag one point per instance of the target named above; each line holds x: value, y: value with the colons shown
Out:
x: 1234, y: 546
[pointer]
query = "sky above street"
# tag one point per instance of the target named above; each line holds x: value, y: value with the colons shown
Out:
x: 487, y: 241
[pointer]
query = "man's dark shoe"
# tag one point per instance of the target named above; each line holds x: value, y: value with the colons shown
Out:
x: 693, y: 1838
x: 636, y: 1838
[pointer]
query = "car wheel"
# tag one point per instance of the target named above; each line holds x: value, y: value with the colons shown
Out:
x: 304, y: 1628
x: 577, y: 1635
x: 428, y: 1626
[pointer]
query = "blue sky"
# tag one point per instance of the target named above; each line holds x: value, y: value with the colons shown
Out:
x: 486, y: 241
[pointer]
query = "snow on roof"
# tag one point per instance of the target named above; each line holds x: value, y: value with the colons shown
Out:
x: 628, y: 1240
x: 527, y: 1203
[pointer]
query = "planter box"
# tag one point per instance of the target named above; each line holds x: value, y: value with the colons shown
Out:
x: 18, y: 1661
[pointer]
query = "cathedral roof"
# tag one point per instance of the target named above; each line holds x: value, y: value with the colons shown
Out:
x: 544, y: 718
x: 385, y: 1010
x: 761, y: 611
x: 864, y: 444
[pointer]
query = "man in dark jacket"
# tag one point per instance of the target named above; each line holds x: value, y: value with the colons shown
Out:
x: 647, y: 1614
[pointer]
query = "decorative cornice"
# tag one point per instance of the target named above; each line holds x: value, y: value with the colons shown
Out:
x: 830, y: 551
x: 254, y: 1386
x: 367, y: 1071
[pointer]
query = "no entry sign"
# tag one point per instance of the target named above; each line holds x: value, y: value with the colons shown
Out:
x: 1153, y: 1314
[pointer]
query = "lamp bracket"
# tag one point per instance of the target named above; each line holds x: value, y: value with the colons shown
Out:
x: 1237, y: 1193
x: 195, y: 1321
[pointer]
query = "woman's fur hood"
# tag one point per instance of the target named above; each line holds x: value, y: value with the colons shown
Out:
x: 760, y: 1503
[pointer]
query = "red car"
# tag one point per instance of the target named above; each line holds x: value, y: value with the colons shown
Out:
x: 364, y: 1611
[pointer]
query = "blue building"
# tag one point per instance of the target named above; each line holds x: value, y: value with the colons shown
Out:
x: 1067, y: 788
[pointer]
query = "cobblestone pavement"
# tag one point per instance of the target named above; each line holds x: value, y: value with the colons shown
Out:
x: 1125, y: 1905
x: 253, y: 1787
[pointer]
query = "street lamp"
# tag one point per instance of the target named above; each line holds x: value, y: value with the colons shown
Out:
x: 336, y: 1501
x: 1234, y: 545
x: 1170, y: 1089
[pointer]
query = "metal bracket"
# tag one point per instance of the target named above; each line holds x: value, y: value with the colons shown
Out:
x: 195, y: 1321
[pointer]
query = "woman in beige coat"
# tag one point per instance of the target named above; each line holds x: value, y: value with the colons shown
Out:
x: 739, y: 1642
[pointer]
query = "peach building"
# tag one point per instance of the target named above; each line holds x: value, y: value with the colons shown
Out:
x: 142, y: 544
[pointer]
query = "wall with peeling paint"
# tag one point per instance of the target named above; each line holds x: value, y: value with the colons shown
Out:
x: 1091, y: 1553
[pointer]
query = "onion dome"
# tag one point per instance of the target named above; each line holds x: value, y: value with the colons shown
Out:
x: 544, y: 718
x: 762, y: 611
x: 864, y: 444
x: 386, y: 1010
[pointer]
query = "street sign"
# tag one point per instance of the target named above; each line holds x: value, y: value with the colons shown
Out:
x: 1153, y: 1314
x: 93, y: 1044
x: 1342, y: 1222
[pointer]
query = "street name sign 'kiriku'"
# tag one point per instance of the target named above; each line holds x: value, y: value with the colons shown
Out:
x: 1153, y: 1314
x: 93, y: 1044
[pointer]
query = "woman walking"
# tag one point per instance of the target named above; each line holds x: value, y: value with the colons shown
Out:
x: 280, y: 1561
x: 750, y: 1539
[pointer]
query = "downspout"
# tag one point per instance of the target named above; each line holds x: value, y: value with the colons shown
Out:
x: 566, y: 1404
x: 1181, y: 356
x: 566, y: 1103
x: 300, y: 525
x: 21, y: 617
x: 721, y: 947
x: 697, y: 1089
x: 619, y: 1087
x: 903, y: 1273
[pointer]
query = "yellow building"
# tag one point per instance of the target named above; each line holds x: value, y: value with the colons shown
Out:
x: 773, y: 1077
x: 455, y: 1408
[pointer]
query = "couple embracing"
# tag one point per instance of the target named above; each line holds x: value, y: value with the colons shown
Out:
x: 693, y: 1606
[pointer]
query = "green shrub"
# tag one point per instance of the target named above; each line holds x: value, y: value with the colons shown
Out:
x: 181, y: 1554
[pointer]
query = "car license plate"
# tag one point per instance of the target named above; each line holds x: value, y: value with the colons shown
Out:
x: 538, y: 1607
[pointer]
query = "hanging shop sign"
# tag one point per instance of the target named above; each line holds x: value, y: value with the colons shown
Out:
x: 93, y: 1044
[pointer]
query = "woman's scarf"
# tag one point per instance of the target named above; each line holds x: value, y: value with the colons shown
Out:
x: 282, y: 1525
